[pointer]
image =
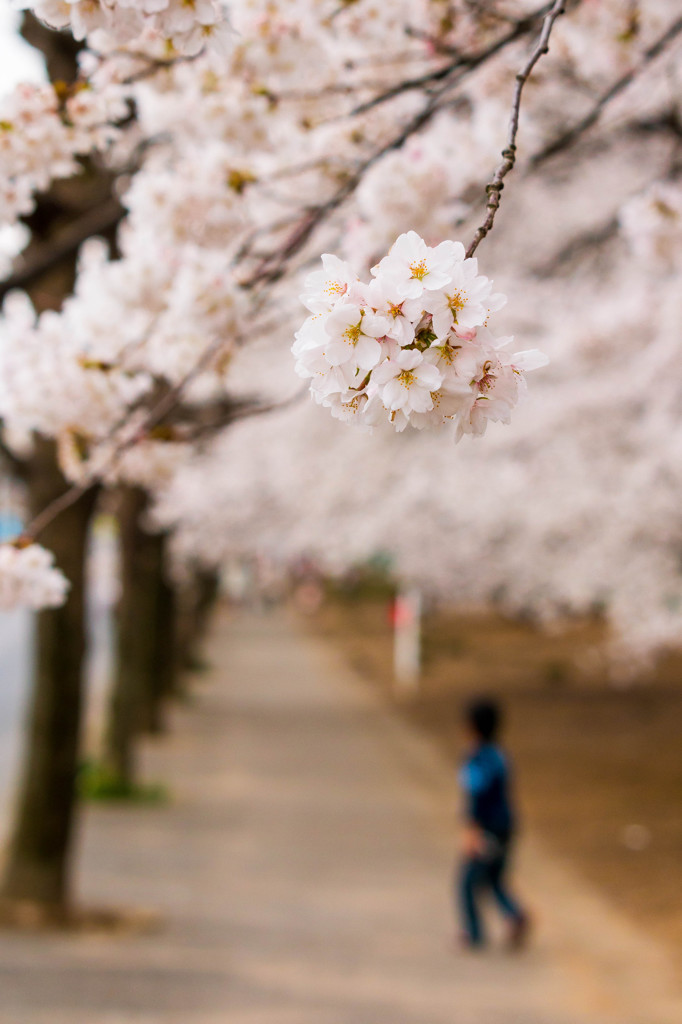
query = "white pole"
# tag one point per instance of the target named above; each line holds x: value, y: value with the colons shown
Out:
x: 407, y: 642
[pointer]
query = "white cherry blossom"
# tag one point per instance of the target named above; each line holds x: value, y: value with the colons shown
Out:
x: 406, y: 382
x: 352, y: 335
x: 392, y: 310
x: 465, y: 301
x: 324, y: 288
x: 28, y: 577
x: 414, y: 267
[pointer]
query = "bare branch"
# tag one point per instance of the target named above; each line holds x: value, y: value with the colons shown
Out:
x: 494, y: 187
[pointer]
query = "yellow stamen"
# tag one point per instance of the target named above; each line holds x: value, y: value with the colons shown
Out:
x: 334, y: 288
x: 456, y: 303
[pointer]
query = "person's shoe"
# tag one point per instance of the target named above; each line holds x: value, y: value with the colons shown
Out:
x: 519, y: 932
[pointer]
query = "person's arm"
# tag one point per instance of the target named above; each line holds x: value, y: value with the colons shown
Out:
x: 473, y: 781
x: 472, y: 840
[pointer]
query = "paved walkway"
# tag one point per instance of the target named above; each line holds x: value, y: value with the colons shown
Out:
x: 302, y: 873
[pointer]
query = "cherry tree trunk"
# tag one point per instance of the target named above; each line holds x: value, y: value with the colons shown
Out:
x: 194, y: 606
x: 39, y: 857
x: 166, y: 645
x: 38, y: 865
x: 144, y: 645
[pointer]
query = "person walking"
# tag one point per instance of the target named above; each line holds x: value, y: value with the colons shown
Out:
x: 488, y: 828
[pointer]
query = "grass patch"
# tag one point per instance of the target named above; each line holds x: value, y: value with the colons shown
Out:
x: 196, y: 664
x: 96, y: 782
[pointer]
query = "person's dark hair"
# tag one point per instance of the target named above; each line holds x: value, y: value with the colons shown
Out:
x: 483, y: 716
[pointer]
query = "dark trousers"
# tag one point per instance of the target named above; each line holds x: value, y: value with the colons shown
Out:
x: 478, y: 876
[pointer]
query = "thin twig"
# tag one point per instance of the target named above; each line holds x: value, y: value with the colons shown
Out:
x: 494, y: 187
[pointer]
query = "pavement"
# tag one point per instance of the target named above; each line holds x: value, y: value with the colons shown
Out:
x: 301, y: 875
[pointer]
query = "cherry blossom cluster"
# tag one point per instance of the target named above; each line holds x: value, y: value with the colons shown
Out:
x: 184, y: 26
x: 413, y: 344
x: 28, y: 577
x: 41, y: 135
x: 67, y: 375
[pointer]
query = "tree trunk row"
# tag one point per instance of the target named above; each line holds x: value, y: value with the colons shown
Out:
x: 156, y: 634
x: 39, y: 857
x: 145, y: 647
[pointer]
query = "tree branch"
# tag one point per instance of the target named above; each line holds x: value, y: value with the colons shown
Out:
x: 494, y: 187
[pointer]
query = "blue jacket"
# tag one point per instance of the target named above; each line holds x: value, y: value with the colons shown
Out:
x: 485, y: 779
